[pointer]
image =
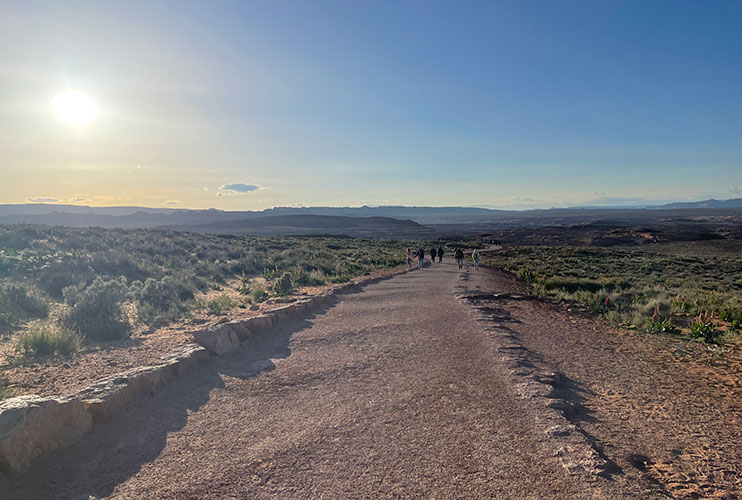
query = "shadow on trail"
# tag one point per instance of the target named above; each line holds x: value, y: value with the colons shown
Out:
x: 569, y: 395
x: 112, y: 453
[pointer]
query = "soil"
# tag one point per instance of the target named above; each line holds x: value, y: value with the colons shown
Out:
x: 401, y: 389
x: 659, y: 408
x: 394, y: 391
x: 58, y: 375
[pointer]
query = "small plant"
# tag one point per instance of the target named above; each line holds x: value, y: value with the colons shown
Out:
x: 660, y: 323
x: 703, y: 328
x: 312, y: 278
x: 283, y: 285
x: 16, y: 305
x: 734, y: 325
x: 526, y: 274
x: 220, y: 304
x: 97, y: 313
x: 258, y: 293
x: 5, y: 391
x: 45, y: 341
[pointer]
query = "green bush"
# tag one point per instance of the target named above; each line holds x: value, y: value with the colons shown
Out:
x: 5, y: 392
x: 97, y: 313
x: 311, y: 278
x: 44, y: 341
x: 220, y: 304
x: 165, y: 299
x: 17, y: 305
x: 166, y: 268
x: 283, y: 285
x: 526, y: 274
x: 703, y: 328
x: 258, y: 293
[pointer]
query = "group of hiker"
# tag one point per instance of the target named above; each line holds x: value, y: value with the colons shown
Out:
x: 438, y: 252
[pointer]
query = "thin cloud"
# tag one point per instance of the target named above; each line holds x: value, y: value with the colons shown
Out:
x: 171, y: 202
x: 42, y: 199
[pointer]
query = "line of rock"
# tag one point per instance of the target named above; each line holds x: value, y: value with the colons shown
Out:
x: 33, y: 426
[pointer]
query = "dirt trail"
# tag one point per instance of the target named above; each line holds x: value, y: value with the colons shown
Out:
x: 660, y: 413
x: 399, y: 390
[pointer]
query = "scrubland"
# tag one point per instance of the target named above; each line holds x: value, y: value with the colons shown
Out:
x: 681, y: 288
x: 61, y: 288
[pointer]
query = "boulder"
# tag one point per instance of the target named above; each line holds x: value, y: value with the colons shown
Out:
x: 241, y: 328
x: 259, y: 324
x: 219, y: 339
x: 108, y: 396
x: 185, y: 359
x: 31, y: 426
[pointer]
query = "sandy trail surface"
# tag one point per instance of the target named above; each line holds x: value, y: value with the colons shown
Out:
x: 400, y: 389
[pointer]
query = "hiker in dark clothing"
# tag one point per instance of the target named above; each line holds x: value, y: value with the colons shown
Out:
x: 440, y: 254
x: 420, y: 258
x: 432, y: 255
x: 459, y: 254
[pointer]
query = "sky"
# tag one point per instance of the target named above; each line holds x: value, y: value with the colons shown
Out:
x: 248, y: 105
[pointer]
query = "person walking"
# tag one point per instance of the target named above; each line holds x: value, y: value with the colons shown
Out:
x: 459, y: 254
x: 475, y: 258
x: 432, y: 255
x: 440, y: 254
x: 420, y: 258
x: 408, y: 254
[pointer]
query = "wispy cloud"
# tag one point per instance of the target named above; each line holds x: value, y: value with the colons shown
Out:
x: 42, y: 199
x: 238, y: 188
x: 171, y: 202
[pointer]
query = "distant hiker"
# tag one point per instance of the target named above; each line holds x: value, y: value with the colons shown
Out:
x: 440, y: 254
x: 408, y: 254
x: 459, y: 254
x: 420, y: 258
x: 475, y: 258
x: 432, y: 255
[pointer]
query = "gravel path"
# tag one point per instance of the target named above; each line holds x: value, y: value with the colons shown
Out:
x: 664, y: 414
x: 398, y: 390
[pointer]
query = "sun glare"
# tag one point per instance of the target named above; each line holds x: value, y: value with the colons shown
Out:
x: 74, y: 108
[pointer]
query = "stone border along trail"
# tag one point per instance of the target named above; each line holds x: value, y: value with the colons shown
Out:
x: 32, y: 426
x: 400, y: 389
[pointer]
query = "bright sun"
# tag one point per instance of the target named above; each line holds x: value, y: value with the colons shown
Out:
x: 74, y: 108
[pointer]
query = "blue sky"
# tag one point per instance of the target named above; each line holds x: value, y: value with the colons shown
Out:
x: 505, y: 104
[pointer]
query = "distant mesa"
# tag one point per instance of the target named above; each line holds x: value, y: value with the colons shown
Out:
x: 382, y: 221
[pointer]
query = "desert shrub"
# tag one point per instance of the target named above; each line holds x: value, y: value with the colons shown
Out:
x: 97, y: 313
x: 258, y: 293
x: 283, y: 285
x: 571, y: 284
x: 161, y: 301
x: 703, y: 328
x: 311, y: 278
x: 64, y: 262
x: 45, y: 341
x: 660, y: 323
x: 220, y: 304
x: 5, y: 391
x: 56, y: 276
x: 165, y: 294
x: 526, y: 274
x: 628, y: 285
x: 16, y: 305
x: 118, y: 264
